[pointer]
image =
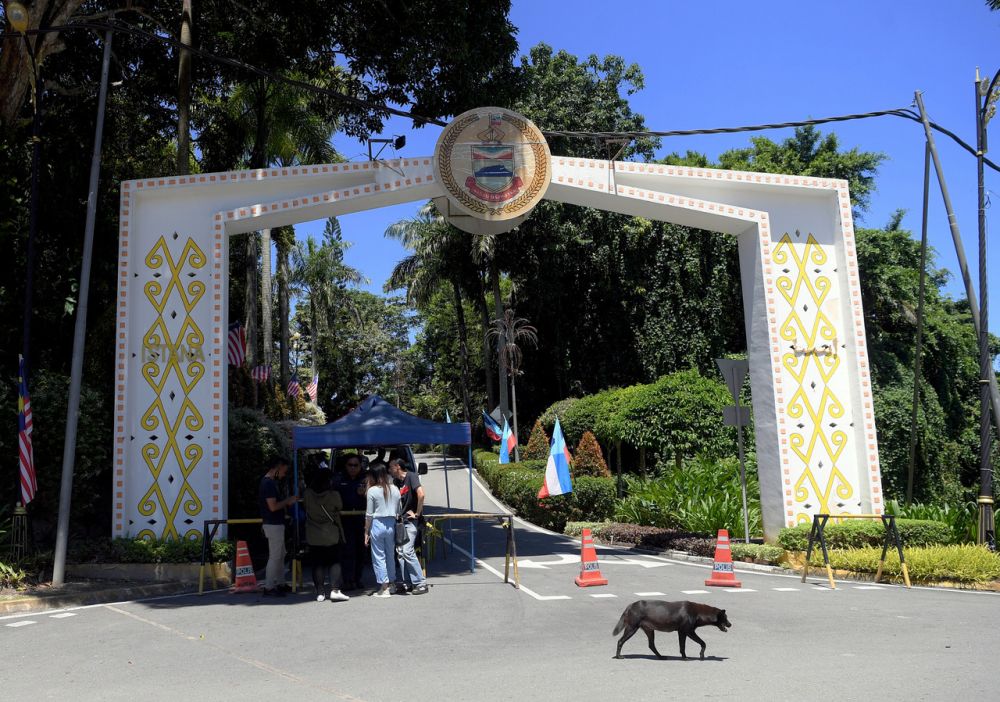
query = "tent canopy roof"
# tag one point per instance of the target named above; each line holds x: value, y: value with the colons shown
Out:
x: 376, y: 422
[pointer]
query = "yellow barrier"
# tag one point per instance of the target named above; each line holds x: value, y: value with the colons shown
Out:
x: 816, y: 533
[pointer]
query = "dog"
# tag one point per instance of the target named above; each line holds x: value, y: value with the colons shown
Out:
x: 657, y: 615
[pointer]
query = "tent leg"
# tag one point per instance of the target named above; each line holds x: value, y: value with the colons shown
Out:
x: 472, y: 522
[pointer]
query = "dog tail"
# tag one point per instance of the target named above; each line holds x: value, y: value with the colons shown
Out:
x: 621, y: 623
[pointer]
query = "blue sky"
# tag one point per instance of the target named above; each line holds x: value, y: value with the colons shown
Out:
x: 714, y: 64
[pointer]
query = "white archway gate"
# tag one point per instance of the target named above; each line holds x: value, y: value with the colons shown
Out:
x: 812, y: 399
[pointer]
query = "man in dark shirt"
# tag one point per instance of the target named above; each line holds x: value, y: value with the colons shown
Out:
x: 272, y: 512
x: 351, y: 486
x: 411, y: 495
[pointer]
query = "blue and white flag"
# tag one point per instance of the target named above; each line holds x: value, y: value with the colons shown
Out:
x: 557, y: 478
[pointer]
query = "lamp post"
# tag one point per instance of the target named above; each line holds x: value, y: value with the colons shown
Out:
x: 985, y: 109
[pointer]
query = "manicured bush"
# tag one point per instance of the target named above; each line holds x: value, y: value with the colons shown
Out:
x: 656, y: 538
x: 963, y: 519
x: 126, y: 550
x: 576, y: 528
x: 593, y: 498
x: 862, y: 533
x: 588, y: 460
x: 758, y: 553
x: 962, y: 563
x: 538, y: 444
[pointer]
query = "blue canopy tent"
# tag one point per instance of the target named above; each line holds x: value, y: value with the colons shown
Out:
x: 376, y: 422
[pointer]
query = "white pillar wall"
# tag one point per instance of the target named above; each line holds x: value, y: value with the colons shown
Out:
x: 810, y: 382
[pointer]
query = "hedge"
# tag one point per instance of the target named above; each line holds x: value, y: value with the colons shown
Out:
x: 150, y: 551
x: 517, y: 486
x: 962, y: 563
x: 860, y: 534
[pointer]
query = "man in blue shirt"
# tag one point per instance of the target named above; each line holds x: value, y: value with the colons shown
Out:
x: 272, y: 512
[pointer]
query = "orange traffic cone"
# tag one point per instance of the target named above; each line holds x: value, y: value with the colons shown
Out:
x: 246, y: 581
x: 722, y: 571
x: 590, y: 571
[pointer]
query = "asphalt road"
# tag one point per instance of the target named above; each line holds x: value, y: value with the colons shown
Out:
x: 475, y: 638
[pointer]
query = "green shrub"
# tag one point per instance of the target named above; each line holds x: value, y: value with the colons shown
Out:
x: 11, y: 576
x: 656, y: 538
x: 861, y: 533
x: 538, y: 444
x: 576, y: 528
x: 126, y: 550
x: 963, y: 563
x: 593, y: 498
x: 962, y: 519
x: 588, y: 460
x: 704, y: 496
x: 758, y: 553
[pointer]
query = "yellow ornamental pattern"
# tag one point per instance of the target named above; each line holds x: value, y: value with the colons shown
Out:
x: 170, y: 423
x: 814, y: 411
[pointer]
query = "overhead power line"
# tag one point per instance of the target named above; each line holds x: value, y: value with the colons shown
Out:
x: 121, y: 26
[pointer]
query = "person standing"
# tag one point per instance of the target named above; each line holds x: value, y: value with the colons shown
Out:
x: 352, y: 486
x: 323, y: 534
x: 272, y: 512
x: 411, y: 495
x: 381, y: 507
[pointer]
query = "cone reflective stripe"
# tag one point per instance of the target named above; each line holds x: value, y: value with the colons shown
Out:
x: 722, y: 571
x: 246, y: 580
x: 590, y: 570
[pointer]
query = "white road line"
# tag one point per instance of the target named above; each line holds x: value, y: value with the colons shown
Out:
x: 868, y: 587
x: 497, y: 573
x: 605, y: 595
x: 17, y: 624
x: 62, y: 616
x: 651, y: 594
x: 695, y: 592
x: 737, y: 589
x: 785, y: 589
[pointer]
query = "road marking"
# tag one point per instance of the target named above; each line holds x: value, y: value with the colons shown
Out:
x: 522, y: 588
x: 651, y: 594
x: 574, y: 559
x: 786, y: 589
x: 868, y: 587
x: 695, y: 592
x: 62, y: 616
x: 605, y: 595
x: 737, y: 589
x: 14, y: 625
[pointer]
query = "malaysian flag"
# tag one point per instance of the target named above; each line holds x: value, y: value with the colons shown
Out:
x: 261, y: 373
x: 294, y: 389
x: 25, y: 454
x: 237, y: 347
x: 312, y: 388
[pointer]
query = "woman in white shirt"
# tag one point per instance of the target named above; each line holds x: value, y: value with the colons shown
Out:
x: 381, y: 508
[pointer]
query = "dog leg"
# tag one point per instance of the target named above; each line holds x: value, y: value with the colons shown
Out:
x: 696, y: 639
x: 682, y: 638
x: 649, y: 634
x: 629, y: 632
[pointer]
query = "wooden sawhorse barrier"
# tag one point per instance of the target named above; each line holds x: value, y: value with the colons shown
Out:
x: 816, y: 533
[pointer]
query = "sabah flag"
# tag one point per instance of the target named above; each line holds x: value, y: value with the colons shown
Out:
x: 492, y: 428
x: 557, y: 480
x: 507, y: 443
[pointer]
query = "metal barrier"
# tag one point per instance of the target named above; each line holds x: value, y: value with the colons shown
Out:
x: 816, y: 533
x: 506, y: 520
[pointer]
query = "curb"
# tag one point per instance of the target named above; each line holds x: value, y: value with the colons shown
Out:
x: 41, y: 603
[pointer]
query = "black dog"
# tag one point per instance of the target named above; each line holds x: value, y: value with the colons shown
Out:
x: 682, y: 617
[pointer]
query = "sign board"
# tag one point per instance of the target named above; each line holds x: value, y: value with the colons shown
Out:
x: 734, y: 371
x: 729, y: 415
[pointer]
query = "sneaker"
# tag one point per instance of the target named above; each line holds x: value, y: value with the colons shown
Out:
x: 383, y: 592
x: 338, y: 596
x: 400, y: 589
x: 420, y: 589
x: 321, y: 597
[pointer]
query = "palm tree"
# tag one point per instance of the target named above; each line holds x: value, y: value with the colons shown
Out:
x: 438, y: 251
x: 511, y: 331
x: 318, y: 271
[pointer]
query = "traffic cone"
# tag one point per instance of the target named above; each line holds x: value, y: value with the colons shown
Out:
x: 246, y: 581
x: 590, y: 571
x: 722, y: 571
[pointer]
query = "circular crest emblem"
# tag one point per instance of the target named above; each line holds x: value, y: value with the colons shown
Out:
x: 493, y: 163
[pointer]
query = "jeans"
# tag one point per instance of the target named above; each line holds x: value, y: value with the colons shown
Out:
x: 409, y: 564
x: 274, y: 574
x: 383, y: 543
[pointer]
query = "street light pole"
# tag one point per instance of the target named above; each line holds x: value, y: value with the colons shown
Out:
x: 987, y: 529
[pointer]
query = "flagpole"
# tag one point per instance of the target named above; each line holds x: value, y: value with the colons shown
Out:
x: 472, y: 522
